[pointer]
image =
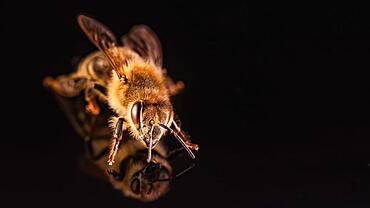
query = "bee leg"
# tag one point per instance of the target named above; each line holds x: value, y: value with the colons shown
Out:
x: 185, y: 138
x: 91, y: 95
x: 174, y: 88
x: 182, y: 138
x: 66, y: 86
x: 117, y: 137
x: 99, y: 94
x: 92, y: 106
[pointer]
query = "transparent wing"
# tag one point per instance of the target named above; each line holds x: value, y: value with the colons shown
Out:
x: 104, y: 39
x: 145, y: 42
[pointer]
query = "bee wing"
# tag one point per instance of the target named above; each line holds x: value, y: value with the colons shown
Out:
x: 145, y: 42
x: 104, y: 39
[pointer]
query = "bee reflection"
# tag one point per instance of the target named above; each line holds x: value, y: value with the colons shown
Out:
x: 135, y: 177
x: 131, y: 174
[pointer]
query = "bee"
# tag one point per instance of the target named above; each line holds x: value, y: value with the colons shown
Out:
x: 140, y: 180
x: 130, y: 79
x: 130, y: 174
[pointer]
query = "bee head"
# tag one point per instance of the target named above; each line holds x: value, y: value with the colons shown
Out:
x: 147, y: 181
x: 141, y: 180
x: 147, y: 118
x: 153, y: 177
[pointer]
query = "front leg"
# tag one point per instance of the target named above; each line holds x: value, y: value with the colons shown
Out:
x: 117, y: 138
x: 182, y: 138
x: 186, y: 139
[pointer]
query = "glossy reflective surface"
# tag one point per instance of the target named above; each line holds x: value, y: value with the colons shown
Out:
x: 277, y: 97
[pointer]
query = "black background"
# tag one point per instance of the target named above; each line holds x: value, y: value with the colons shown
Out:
x: 276, y: 95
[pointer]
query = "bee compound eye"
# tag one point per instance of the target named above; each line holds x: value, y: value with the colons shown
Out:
x: 135, y: 186
x: 136, y: 113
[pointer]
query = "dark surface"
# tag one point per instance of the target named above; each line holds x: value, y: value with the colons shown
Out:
x: 277, y: 96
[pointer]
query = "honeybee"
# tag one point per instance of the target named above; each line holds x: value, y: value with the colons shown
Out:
x: 130, y: 174
x: 140, y: 180
x: 130, y: 79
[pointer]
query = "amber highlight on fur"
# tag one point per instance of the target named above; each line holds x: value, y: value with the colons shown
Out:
x: 122, y: 76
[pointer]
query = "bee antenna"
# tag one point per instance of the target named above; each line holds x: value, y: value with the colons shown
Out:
x: 179, y: 174
x: 179, y: 139
x: 150, y: 145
